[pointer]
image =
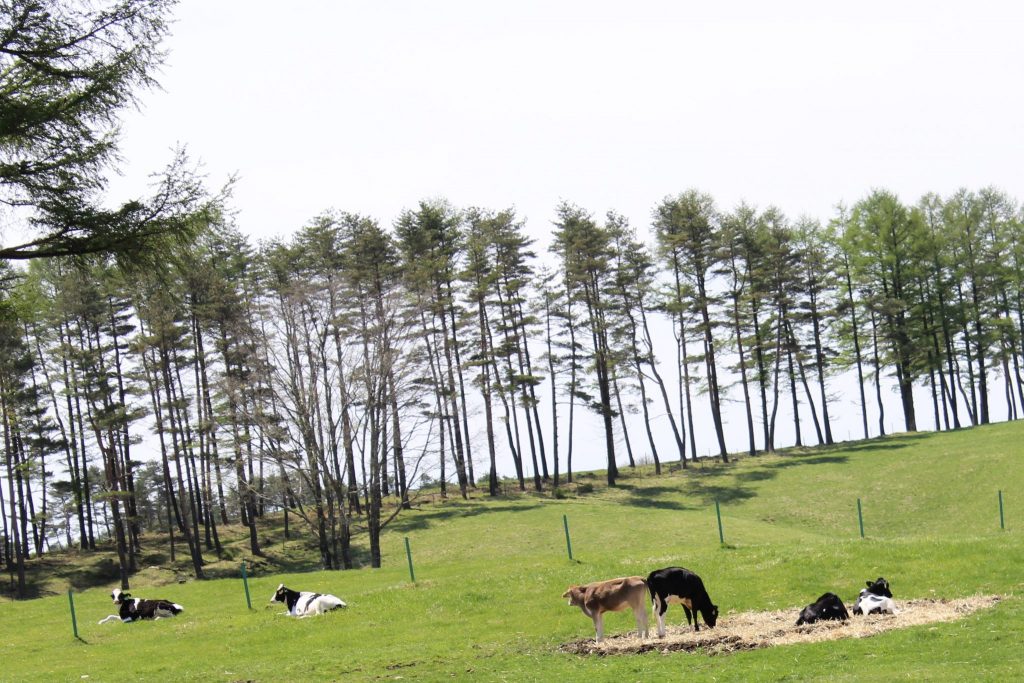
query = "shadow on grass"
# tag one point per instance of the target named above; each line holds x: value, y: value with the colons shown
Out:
x: 657, y: 504
x: 704, y: 483
x: 423, y: 520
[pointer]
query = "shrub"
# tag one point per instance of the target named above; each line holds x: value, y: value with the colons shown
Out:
x: 560, y: 494
x: 585, y: 488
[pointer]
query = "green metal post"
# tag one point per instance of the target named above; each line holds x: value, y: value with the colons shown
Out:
x: 1002, y: 525
x: 74, y: 622
x: 245, y: 582
x: 721, y: 535
x: 860, y: 518
x: 408, y: 553
x: 568, y: 543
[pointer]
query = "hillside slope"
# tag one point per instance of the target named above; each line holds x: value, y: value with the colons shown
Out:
x: 489, y: 575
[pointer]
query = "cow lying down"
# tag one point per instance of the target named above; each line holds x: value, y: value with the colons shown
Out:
x: 133, y: 609
x: 827, y: 607
x: 306, y: 603
x: 869, y: 603
x: 875, y: 599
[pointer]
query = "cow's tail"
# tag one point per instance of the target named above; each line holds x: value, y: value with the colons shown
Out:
x: 655, y: 607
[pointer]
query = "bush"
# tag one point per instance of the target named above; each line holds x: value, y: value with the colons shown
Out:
x: 560, y: 494
x: 585, y: 488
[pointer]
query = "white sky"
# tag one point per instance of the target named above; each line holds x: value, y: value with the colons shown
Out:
x: 370, y: 107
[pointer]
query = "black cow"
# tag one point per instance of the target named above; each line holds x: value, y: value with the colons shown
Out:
x: 879, y: 587
x: 828, y: 606
x: 133, y: 609
x: 681, y: 586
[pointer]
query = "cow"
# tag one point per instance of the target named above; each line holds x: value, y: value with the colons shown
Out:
x: 879, y: 587
x: 306, y: 603
x: 828, y: 606
x: 132, y: 609
x: 870, y: 603
x: 681, y: 586
x: 613, y: 595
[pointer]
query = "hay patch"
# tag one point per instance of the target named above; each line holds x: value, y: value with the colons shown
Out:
x: 752, y: 630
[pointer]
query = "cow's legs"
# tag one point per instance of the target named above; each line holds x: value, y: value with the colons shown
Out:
x: 599, y: 626
x: 696, y: 626
x: 641, y: 620
x: 659, y: 607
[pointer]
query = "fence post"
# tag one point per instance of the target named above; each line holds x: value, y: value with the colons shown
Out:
x: 568, y: 543
x: 74, y: 621
x: 408, y: 553
x: 245, y: 582
x: 718, y: 512
x: 1002, y: 524
x: 860, y: 518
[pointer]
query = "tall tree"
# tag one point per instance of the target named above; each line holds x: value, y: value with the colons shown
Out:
x: 686, y: 228
x: 885, y: 244
x: 584, y: 249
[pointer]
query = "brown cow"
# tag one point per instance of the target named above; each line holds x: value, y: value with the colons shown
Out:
x: 613, y: 595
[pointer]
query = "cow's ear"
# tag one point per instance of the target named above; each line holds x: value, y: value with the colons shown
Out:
x: 868, y: 584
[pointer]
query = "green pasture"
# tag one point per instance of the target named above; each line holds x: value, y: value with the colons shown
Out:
x: 487, y: 606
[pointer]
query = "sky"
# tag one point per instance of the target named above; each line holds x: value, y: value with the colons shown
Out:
x: 370, y: 107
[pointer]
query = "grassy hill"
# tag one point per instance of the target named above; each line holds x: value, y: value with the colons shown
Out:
x: 486, y: 604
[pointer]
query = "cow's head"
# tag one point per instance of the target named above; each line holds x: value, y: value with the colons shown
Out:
x: 879, y: 587
x: 118, y: 596
x: 575, y: 595
x: 710, y: 616
x: 280, y: 595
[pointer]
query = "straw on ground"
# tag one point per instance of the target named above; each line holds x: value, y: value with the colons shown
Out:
x: 752, y: 630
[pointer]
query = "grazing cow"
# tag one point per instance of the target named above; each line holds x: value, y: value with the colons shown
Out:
x: 828, y: 606
x: 681, y: 586
x: 306, y: 603
x: 613, y: 595
x: 133, y: 609
x: 869, y: 603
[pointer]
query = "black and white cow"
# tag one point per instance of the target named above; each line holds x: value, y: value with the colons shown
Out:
x: 879, y: 587
x: 306, y: 603
x: 875, y: 599
x: 828, y: 606
x: 133, y: 609
x: 683, y: 587
x: 869, y: 603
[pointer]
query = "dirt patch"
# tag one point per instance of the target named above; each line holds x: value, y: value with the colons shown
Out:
x: 752, y: 630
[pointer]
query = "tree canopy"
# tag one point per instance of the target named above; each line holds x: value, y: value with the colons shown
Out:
x: 68, y: 70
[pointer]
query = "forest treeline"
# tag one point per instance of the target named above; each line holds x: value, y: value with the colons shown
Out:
x: 334, y: 374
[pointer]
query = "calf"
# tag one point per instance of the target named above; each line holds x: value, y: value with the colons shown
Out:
x: 879, y: 587
x: 681, y: 586
x: 828, y: 606
x: 869, y: 603
x: 306, y: 603
x: 613, y: 595
x: 133, y: 609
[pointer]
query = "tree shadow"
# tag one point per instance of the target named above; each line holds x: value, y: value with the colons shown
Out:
x: 798, y: 461
x: 657, y: 503
x: 424, y: 520
x: 709, y: 493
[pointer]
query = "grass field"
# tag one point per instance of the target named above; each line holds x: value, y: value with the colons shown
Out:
x: 486, y: 604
